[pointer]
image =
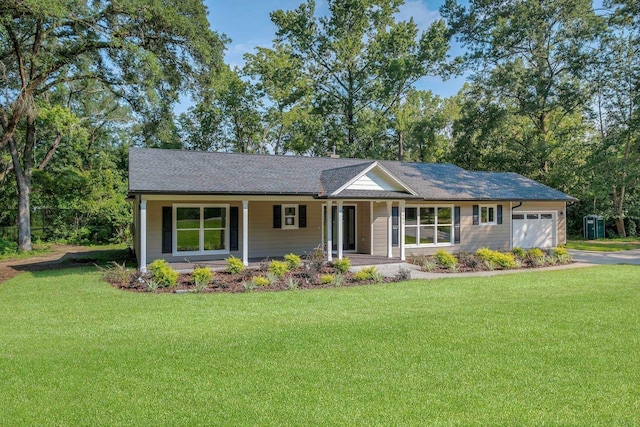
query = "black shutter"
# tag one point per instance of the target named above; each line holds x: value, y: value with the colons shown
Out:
x: 167, y: 234
x: 395, y: 221
x: 302, y: 216
x: 233, y: 228
x: 277, y: 216
x: 499, y: 214
x: 456, y: 224
x: 476, y: 215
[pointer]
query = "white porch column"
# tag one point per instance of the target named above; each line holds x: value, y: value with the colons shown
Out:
x: 329, y: 218
x: 401, y: 226
x: 245, y: 232
x: 340, y: 229
x: 389, y: 230
x: 142, y: 256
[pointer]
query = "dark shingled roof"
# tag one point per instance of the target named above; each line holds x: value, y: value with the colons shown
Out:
x: 179, y: 172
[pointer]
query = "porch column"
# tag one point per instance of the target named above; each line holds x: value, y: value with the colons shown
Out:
x: 329, y: 218
x: 401, y: 226
x: 389, y: 230
x: 340, y: 229
x: 245, y: 232
x: 142, y: 256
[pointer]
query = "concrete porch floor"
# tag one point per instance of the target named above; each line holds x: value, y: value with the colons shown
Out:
x: 219, y: 265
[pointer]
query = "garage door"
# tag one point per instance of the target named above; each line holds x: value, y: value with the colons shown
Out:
x: 534, y: 230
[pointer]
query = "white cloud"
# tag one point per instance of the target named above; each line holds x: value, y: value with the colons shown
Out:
x: 419, y: 11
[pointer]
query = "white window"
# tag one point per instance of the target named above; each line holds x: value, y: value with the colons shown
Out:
x: 200, y: 229
x: 428, y: 226
x: 290, y: 216
x: 487, y: 214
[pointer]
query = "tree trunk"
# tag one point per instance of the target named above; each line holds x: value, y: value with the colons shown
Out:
x: 400, y: 146
x: 618, y: 205
x: 23, y: 180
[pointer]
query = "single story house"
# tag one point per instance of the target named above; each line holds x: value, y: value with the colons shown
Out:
x: 205, y: 206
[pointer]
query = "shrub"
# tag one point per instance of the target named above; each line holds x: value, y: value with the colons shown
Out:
x: 293, y: 261
x: 338, y: 280
x: 562, y: 255
x: 201, y: 276
x: 279, y: 268
x: 423, y: 261
x: 315, y: 258
x: 490, y: 265
x: 468, y: 260
x: 367, y: 273
x: 163, y: 274
x: 536, y: 257
x: 403, y: 274
x: 152, y: 285
x: 326, y: 279
x: 446, y: 259
x: 234, y: 265
x: 496, y: 258
x: 519, y: 252
x: 535, y: 253
x: 116, y: 274
x: 259, y: 281
x: 272, y: 277
x: 291, y: 283
x: 342, y: 265
x: 248, y: 285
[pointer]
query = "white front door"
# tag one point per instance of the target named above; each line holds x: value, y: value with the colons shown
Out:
x: 534, y: 229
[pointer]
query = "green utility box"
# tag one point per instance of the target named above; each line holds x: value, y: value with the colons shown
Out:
x: 593, y: 226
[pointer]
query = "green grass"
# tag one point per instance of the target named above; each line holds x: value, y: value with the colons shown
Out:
x: 604, y: 245
x: 542, y: 348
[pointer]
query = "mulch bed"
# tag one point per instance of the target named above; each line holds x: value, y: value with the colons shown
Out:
x: 234, y: 283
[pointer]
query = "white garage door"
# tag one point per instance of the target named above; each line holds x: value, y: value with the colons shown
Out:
x: 534, y: 229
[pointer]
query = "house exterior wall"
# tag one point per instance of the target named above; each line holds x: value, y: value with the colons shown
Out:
x: 371, y: 225
x: 264, y: 240
x: 472, y: 237
x: 379, y: 229
x: 363, y: 227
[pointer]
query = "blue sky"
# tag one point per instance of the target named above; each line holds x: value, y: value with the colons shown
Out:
x: 247, y: 24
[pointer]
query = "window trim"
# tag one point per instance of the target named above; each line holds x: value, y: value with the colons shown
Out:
x: 495, y: 214
x: 296, y: 217
x: 226, y: 228
x: 435, y: 226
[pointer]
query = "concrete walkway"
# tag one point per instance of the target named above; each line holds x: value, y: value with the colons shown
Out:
x: 581, y: 259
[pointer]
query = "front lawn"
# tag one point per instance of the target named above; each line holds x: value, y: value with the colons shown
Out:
x: 555, y: 348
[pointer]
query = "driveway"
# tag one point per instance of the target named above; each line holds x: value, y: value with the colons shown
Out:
x: 592, y: 257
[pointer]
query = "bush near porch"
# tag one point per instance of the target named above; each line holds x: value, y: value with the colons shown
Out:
x: 271, y: 276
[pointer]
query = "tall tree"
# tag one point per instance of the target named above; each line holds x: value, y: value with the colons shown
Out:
x: 145, y: 52
x: 527, y: 57
x: 615, y: 157
x: 361, y: 62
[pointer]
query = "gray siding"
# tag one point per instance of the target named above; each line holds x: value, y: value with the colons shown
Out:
x: 363, y: 225
x: 264, y: 240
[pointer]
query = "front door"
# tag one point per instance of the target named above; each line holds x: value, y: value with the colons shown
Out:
x: 348, y: 227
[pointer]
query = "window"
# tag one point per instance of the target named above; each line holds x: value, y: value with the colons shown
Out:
x: 289, y: 216
x: 487, y: 214
x: 428, y: 226
x: 200, y: 229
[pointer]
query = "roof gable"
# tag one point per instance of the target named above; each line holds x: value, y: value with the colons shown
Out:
x: 374, y: 178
